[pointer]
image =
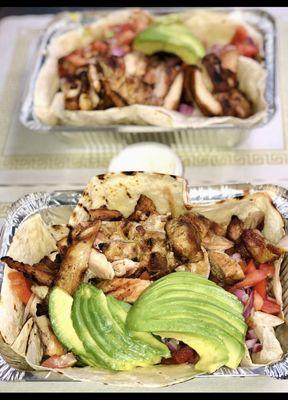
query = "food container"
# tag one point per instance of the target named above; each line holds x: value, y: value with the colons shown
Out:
x: 56, y: 208
x: 220, y: 135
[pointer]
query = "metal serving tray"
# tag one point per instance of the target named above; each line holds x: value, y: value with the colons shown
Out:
x: 222, y: 135
x: 56, y: 208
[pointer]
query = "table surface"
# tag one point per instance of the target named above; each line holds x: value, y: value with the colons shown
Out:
x: 31, y: 162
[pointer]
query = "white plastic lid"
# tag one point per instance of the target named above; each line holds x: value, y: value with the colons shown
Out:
x: 148, y: 157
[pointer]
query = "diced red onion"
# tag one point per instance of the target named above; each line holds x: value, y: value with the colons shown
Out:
x: 185, y: 109
x: 118, y: 52
x: 236, y: 256
x: 242, y: 295
x: 251, y: 334
x: 249, y: 305
x: 215, y: 49
x: 251, y: 343
x: 257, y: 347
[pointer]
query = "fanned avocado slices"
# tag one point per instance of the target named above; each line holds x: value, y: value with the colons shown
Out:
x: 174, y: 38
x: 93, y: 327
x: 190, y: 308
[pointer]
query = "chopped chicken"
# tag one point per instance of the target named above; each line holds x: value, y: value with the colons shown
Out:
x: 75, y: 261
x: 201, y: 267
x: 235, y: 228
x: 124, y: 289
x: 224, y: 268
x: 135, y: 64
x: 223, y: 79
x: 52, y: 346
x: 260, y: 248
x: 157, y: 265
x: 105, y: 215
x: 125, y: 267
x: 184, y: 240
x: 40, y: 291
x: 42, y: 273
x: 173, y: 96
x: 229, y: 59
x: 117, y: 250
x: 100, y: 266
x: 143, y: 209
x: 235, y: 104
x: 217, y: 243
x: 204, y: 225
x: 155, y: 222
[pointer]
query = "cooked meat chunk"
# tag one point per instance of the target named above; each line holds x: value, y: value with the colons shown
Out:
x: 204, y: 225
x: 143, y: 209
x: 184, y: 240
x: 100, y: 266
x: 157, y: 265
x: 259, y: 248
x: 195, y: 90
x: 217, y: 243
x: 255, y: 220
x: 110, y: 231
x: 224, y: 268
x: 42, y: 273
x: 125, y: 267
x: 52, y: 346
x: 75, y: 261
x: 124, y: 289
x: 235, y: 228
x: 105, y: 215
x: 229, y: 59
x: 235, y: 104
x: 117, y: 250
x: 223, y: 79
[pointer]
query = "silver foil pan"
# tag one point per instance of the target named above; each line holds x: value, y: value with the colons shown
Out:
x: 222, y: 135
x: 56, y: 207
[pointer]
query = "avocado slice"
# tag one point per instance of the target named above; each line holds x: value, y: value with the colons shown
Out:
x: 173, y: 38
x: 100, y: 323
x: 212, y: 352
x: 61, y: 322
x: 194, y: 304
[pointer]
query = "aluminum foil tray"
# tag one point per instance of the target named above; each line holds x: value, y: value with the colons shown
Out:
x: 56, y: 207
x: 222, y: 135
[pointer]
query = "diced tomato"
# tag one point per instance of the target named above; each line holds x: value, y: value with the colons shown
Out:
x: 247, y: 49
x: 20, y: 286
x: 240, y: 35
x: 65, y: 361
x: 183, y: 355
x: 270, y: 307
x: 261, y: 288
x: 251, y: 279
x: 258, y: 301
x: 250, y: 267
x: 268, y: 269
x: 76, y: 59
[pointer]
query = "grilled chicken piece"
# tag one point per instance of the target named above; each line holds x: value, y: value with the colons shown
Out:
x: 196, y: 90
x: 217, y: 243
x: 124, y: 289
x: 235, y: 104
x: 173, y: 96
x: 255, y: 220
x: 42, y: 273
x: 143, y: 209
x: 184, y: 240
x: 100, y: 266
x: 75, y: 261
x: 125, y: 267
x: 111, y: 231
x: 201, y: 267
x: 118, y: 250
x: 52, y: 346
x: 259, y: 248
x: 222, y: 79
x: 204, y: 225
x: 235, y: 228
x: 105, y: 215
x: 224, y: 268
x: 157, y: 265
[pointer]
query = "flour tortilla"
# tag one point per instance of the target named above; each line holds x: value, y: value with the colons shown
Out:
x: 210, y: 27
x: 121, y: 191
